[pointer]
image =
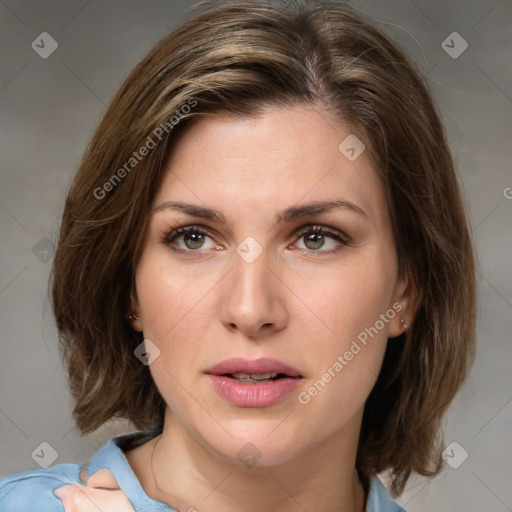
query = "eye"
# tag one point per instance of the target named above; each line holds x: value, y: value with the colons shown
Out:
x: 192, y: 238
x: 318, y: 237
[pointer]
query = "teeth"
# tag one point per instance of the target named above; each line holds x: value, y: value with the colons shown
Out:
x: 254, y: 376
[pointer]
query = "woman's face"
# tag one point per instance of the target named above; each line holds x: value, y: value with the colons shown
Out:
x: 271, y: 279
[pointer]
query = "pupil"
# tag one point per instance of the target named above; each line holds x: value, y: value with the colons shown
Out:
x: 194, y: 240
x: 316, y: 244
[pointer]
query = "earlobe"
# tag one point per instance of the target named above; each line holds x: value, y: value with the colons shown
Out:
x: 135, y: 322
x: 405, y: 303
x: 133, y: 319
x: 400, y: 323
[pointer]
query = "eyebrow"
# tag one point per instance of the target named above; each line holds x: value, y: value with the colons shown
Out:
x: 288, y: 215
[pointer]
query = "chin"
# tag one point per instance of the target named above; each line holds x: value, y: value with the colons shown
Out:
x: 256, y: 444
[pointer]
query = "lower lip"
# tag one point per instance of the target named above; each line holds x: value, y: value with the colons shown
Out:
x: 253, y: 395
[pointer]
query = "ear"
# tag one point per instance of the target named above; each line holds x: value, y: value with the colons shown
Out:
x: 406, y: 301
x: 133, y: 316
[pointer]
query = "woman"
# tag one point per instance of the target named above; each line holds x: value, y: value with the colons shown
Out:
x: 264, y: 264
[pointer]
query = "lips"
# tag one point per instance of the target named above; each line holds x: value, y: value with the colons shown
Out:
x: 253, y: 383
x: 255, y: 368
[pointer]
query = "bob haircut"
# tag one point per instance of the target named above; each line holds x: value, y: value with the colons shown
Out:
x: 241, y: 58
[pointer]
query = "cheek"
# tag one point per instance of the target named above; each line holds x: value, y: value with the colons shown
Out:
x: 172, y: 307
x: 177, y: 305
x: 173, y: 298
x: 349, y: 357
x: 350, y: 298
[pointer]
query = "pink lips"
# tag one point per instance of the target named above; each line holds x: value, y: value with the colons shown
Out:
x: 253, y: 394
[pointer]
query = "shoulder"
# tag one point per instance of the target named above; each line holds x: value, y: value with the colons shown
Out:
x: 32, y: 491
x: 379, y: 500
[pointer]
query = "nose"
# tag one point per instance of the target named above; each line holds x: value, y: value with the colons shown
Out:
x: 253, y: 301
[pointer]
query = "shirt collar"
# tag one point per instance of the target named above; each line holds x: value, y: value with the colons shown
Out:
x: 111, y: 456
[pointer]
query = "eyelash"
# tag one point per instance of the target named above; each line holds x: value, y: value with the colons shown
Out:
x: 170, y: 238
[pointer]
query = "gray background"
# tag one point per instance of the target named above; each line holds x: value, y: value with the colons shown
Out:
x: 49, y: 109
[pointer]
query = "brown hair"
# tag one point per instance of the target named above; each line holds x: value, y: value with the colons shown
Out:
x: 238, y: 58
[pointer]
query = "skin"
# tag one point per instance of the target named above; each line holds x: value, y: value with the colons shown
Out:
x: 99, y: 492
x: 301, y: 302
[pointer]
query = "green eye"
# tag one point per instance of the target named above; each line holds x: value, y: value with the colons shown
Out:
x: 317, y: 237
x: 316, y: 240
x: 193, y: 240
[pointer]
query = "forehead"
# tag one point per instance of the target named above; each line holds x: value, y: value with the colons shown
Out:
x: 283, y: 156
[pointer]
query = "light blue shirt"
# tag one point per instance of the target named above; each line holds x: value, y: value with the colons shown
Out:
x: 32, y: 491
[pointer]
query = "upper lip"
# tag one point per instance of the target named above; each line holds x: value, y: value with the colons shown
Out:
x: 252, y: 366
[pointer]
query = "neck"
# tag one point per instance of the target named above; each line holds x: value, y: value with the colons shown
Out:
x: 188, y: 476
